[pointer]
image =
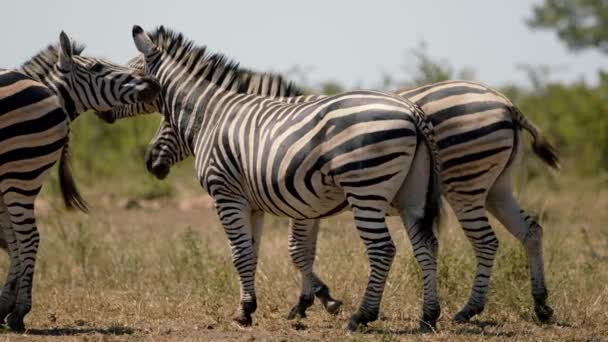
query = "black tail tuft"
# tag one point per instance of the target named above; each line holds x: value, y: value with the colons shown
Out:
x: 546, y: 152
x: 69, y: 191
x: 541, y: 147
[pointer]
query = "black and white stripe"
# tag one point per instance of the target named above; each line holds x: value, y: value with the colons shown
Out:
x: 313, y: 159
x: 36, y: 106
x: 478, y: 137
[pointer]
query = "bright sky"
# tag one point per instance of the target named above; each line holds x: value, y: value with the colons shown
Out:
x: 351, y: 42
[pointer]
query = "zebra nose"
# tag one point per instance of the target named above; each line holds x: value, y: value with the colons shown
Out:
x: 106, y: 116
x: 150, y: 90
x: 160, y: 170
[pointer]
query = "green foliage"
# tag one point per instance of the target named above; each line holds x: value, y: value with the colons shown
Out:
x: 574, y: 119
x: 102, y: 150
x: 331, y: 88
x: 579, y: 23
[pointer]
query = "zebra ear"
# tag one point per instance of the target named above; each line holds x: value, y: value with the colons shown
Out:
x: 65, y: 52
x: 143, y: 43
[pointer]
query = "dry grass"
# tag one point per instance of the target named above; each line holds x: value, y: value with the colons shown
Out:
x: 166, y: 274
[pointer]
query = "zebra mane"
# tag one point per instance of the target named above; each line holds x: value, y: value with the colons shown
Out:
x: 41, y: 64
x: 216, y: 68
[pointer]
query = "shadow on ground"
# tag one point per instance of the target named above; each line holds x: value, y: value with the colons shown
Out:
x: 71, y: 331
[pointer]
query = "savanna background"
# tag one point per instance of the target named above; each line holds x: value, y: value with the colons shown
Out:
x: 151, y: 260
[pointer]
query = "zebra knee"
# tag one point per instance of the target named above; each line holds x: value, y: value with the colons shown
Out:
x: 389, y: 250
x: 487, y: 247
x: 534, y: 235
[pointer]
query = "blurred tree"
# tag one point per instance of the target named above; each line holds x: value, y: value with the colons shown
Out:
x: 425, y: 69
x: 330, y: 88
x: 579, y: 23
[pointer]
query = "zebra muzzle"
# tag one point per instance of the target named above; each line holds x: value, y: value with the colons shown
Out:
x: 159, y: 170
x: 149, y: 91
x: 106, y: 116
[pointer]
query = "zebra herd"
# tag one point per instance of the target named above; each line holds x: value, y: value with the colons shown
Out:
x: 261, y: 146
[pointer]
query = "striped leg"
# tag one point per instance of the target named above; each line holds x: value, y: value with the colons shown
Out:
x: 372, y: 229
x: 424, y: 246
x: 257, y: 226
x: 239, y: 224
x: 322, y: 292
x: 506, y: 209
x: 302, y: 248
x: 411, y: 201
x: 477, y: 228
x: 21, y: 212
x: 8, y: 297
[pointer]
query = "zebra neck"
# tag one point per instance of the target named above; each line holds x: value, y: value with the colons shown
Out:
x: 188, y: 109
x: 50, y: 79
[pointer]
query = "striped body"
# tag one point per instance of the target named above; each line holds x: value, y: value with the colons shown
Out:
x: 33, y: 132
x: 307, y: 160
x: 478, y: 138
x: 36, y: 106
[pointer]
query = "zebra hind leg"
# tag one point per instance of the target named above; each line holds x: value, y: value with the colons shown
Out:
x: 477, y: 229
x: 412, y: 203
x: 425, y: 246
x: 28, y: 238
x: 372, y: 229
x: 503, y: 205
x: 8, y: 298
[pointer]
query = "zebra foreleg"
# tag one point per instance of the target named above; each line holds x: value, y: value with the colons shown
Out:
x: 302, y: 249
x: 322, y: 292
x: 238, y: 222
x: 503, y: 205
x: 479, y: 232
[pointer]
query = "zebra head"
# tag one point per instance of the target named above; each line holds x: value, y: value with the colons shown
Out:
x: 110, y: 116
x: 165, y: 150
x: 97, y: 84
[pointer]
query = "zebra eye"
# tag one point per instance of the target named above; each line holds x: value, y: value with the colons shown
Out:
x: 97, y: 67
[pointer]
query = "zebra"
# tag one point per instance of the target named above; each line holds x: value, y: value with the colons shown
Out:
x: 257, y: 155
x: 478, y: 137
x: 37, y: 103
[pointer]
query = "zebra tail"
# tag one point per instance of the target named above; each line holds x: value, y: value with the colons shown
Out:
x: 432, y: 206
x: 541, y: 147
x: 69, y: 191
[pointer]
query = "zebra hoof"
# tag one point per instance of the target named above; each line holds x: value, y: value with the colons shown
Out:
x: 15, y: 322
x: 243, y: 320
x: 330, y: 304
x: 299, y: 310
x: 333, y: 306
x: 543, y: 312
x: 359, y: 319
x: 428, y: 323
x: 464, y: 315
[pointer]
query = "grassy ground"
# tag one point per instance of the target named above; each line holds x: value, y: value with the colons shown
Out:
x: 161, y: 270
